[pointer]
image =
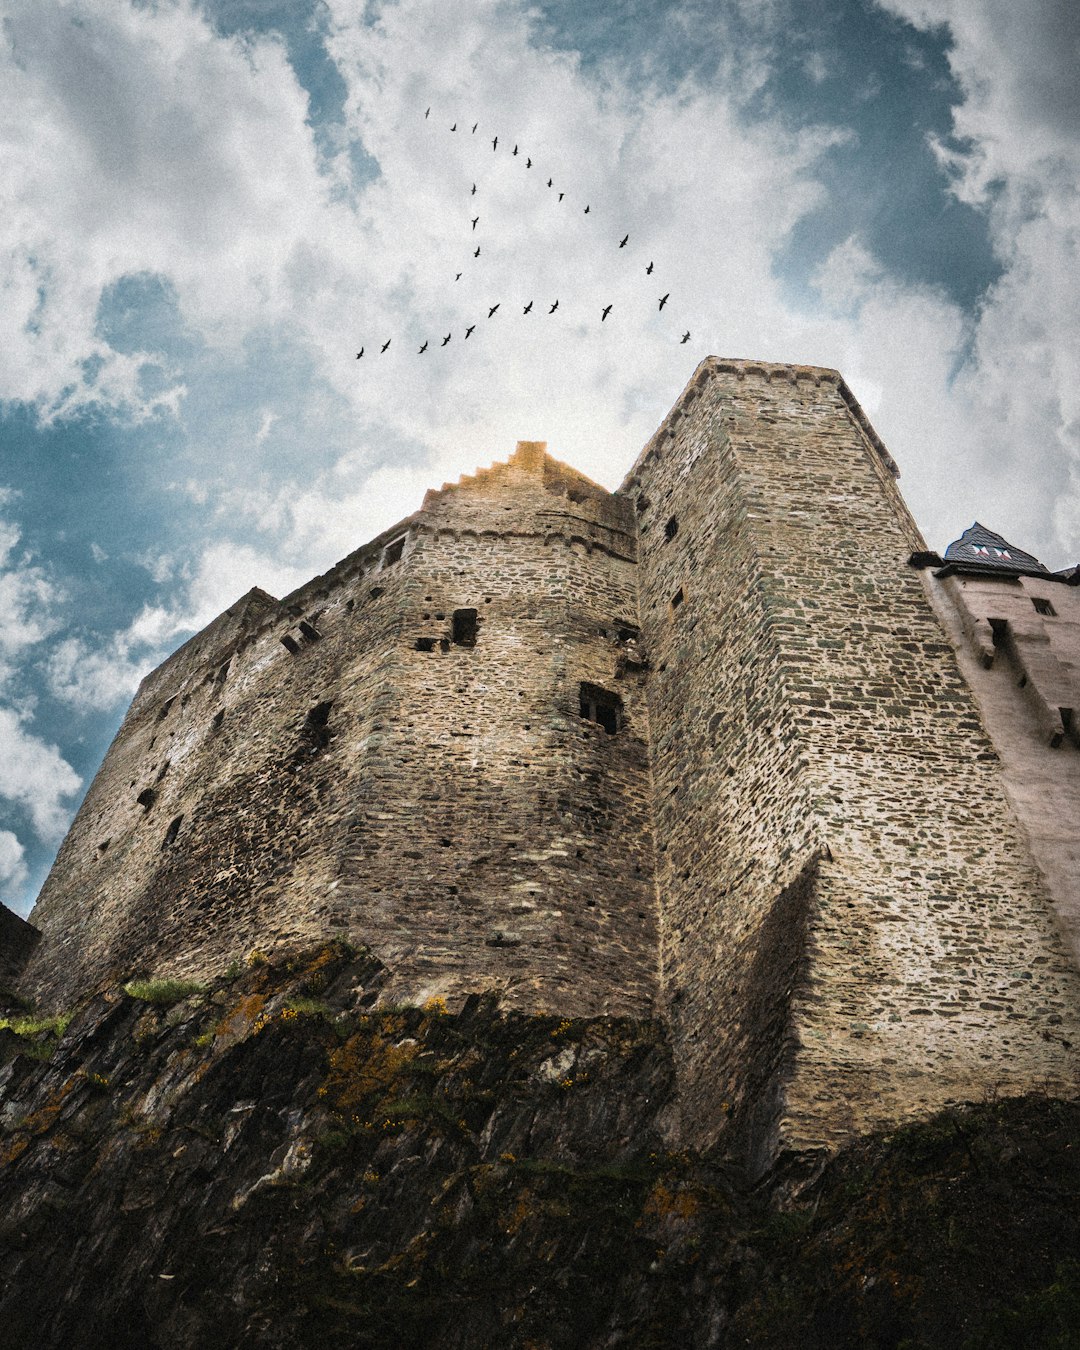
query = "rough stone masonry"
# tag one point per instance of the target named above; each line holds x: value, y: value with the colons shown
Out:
x: 701, y: 748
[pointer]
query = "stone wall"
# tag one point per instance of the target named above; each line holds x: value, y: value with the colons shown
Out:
x: 395, y: 752
x: 1024, y: 669
x: 850, y: 910
x: 17, y: 941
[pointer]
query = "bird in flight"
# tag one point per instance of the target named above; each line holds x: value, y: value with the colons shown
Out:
x: 561, y: 195
x: 468, y: 331
x: 454, y: 127
x: 360, y: 353
x: 527, y: 307
x: 664, y: 300
x: 493, y: 308
x: 473, y: 192
x: 428, y: 113
x: 686, y: 336
x: 458, y: 277
x: 495, y: 143
x: 385, y: 345
x: 422, y: 350
x: 586, y: 210
x: 624, y: 241
x: 475, y: 219
x: 549, y: 182
x: 477, y: 253
x: 446, y: 339
x: 605, y: 314
x: 648, y: 270
x: 515, y: 149
x: 528, y: 163
x: 474, y: 126
x: 554, y: 307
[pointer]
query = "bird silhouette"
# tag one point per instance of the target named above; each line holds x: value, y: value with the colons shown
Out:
x: 360, y: 353
x: 648, y: 270
x: 473, y: 192
x: 446, y: 339
x: 586, y: 210
x: 493, y: 308
x: 686, y: 336
x: 561, y: 195
x: 477, y: 253
x: 458, y: 277
x: 515, y: 149
x: 527, y: 307
x: 474, y: 126
x: 422, y: 350
x: 427, y: 113
x: 475, y: 219
x: 385, y: 345
x: 623, y: 241
x: 549, y: 182
x: 495, y: 143
x: 468, y: 331
x: 528, y: 163
x: 554, y: 307
x: 605, y: 314
x: 454, y: 127
x: 664, y: 300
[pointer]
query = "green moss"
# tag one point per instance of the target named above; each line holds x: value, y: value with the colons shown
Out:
x: 34, y: 1026
x: 163, y: 992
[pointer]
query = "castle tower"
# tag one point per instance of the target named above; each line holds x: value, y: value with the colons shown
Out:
x: 853, y: 928
x: 439, y: 748
x: 701, y: 748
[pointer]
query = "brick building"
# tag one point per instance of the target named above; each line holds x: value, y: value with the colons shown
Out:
x: 727, y: 746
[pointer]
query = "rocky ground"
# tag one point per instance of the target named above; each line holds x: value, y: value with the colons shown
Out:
x: 270, y: 1162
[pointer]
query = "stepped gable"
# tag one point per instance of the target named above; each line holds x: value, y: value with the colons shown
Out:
x: 981, y: 547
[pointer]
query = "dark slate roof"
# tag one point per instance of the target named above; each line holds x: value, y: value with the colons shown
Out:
x: 981, y: 547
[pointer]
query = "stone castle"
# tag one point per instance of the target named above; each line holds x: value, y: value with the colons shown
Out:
x: 728, y: 747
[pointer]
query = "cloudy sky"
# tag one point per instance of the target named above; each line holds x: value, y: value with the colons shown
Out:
x: 207, y: 209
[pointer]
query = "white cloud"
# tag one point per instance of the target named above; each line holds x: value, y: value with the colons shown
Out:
x: 13, y: 869
x: 1017, y: 155
x: 28, y: 599
x: 36, y: 776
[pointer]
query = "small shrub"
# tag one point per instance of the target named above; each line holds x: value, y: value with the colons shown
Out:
x: 163, y: 992
x: 256, y: 958
x: 33, y: 1026
x: 307, y: 1007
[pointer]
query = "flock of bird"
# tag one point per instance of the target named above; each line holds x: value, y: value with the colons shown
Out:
x: 493, y: 310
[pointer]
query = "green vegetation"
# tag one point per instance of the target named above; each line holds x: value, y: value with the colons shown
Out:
x: 34, y: 1026
x: 164, y: 993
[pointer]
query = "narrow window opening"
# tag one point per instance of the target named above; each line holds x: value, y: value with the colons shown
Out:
x: 671, y: 529
x: 464, y: 633
x: 309, y: 631
x: 217, y: 719
x: 628, y: 632
x: 290, y: 644
x: 172, y: 832
x: 350, y: 605
x: 601, y: 706
x: 678, y: 598
x: 376, y: 591
x: 165, y: 707
x: 426, y: 644
x: 444, y: 644
x: 1043, y: 606
x: 146, y: 798
x: 316, y: 732
x: 103, y: 847
x: 1000, y: 629
x: 393, y: 552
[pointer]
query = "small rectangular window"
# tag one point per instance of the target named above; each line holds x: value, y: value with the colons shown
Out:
x: 464, y: 631
x: 601, y: 706
x: 677, y: 598
x: 1042, y: 606
x: 393, y: 552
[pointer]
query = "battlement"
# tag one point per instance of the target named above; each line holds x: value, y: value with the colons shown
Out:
x: 705, y: 748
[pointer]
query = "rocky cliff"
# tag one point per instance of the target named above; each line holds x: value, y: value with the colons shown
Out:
x: 268, y: 1162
